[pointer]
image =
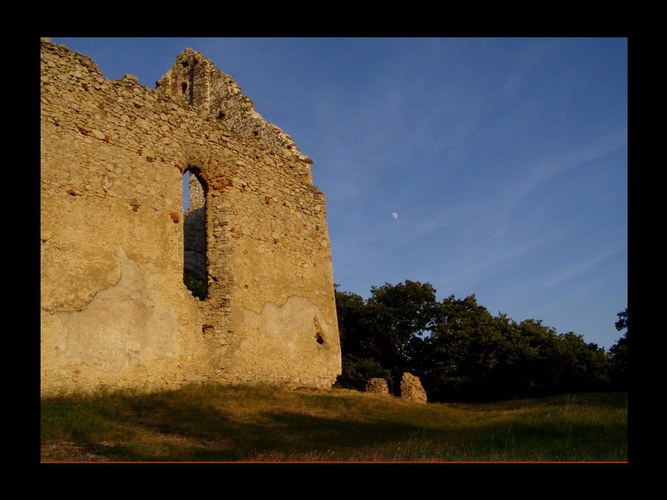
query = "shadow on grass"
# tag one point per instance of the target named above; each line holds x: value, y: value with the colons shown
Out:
x: 197, y: 434
x: 162, y: 427
x: 238, y: 427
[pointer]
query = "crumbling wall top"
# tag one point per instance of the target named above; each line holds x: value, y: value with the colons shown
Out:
x: 195, y: 81
x: 115, y: 308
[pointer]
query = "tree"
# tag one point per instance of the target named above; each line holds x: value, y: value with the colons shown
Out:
x: 353, y: 322
x: 354, y: 326
x: 619, y: 359
x: 622, y: 322
x: 401, y: 314
x: 377, y: 335
x: 473, y: 355
x: 356, y: 372
x: 457, y: 360
x: 460, y: 351
x: 580, y: 366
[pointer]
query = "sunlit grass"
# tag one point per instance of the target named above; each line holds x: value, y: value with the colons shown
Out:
x: 264, y: 423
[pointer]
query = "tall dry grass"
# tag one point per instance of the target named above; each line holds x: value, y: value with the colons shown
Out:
x: 202, y: 423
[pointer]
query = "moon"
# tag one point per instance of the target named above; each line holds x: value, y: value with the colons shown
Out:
x: 394, y: 215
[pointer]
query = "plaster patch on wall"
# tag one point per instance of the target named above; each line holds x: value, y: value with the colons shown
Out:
x: 282, y: 334
x: 112, y: 321
x: 121, y: 326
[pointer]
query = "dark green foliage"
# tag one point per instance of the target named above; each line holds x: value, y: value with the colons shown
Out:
x: 357, y: 371
x: 398, y: 317
x: 196, y: 285
x: 462, y: 352
x: 358, y: 341
x: 352, y: 324
x: 619, y: 355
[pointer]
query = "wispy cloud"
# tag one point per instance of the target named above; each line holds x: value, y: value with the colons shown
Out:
x: 575, y: 271
x: 517, y: 189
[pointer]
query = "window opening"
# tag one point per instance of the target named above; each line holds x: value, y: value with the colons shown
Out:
x: 187, y: 85
x: 195, y: 270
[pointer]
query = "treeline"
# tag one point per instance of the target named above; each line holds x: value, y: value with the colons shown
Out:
x: 461, y: 352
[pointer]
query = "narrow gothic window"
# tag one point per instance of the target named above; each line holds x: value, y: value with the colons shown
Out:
x: 195, y: 274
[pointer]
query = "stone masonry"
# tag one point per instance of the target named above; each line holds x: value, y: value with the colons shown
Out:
x: 115, y: 312
x: 412, y: 389
x: 377, y: 385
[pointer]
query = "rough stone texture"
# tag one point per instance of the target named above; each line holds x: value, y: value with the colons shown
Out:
x: 114, y: 309
x: 378, y: 385
x: 411, y: 388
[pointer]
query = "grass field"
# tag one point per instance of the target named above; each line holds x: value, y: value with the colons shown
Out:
x: 267, y: 424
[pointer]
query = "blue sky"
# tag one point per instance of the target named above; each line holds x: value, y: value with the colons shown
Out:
x: 487, y: 166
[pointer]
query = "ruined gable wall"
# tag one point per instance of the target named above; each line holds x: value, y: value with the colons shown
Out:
x: 115, y: 311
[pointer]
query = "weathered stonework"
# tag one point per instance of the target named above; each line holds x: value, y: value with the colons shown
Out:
x: 377, y: 385
x: 114, y: 308
x: 412, y: 389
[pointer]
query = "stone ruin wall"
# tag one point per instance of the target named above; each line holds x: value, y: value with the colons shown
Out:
x: 114, y: 309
